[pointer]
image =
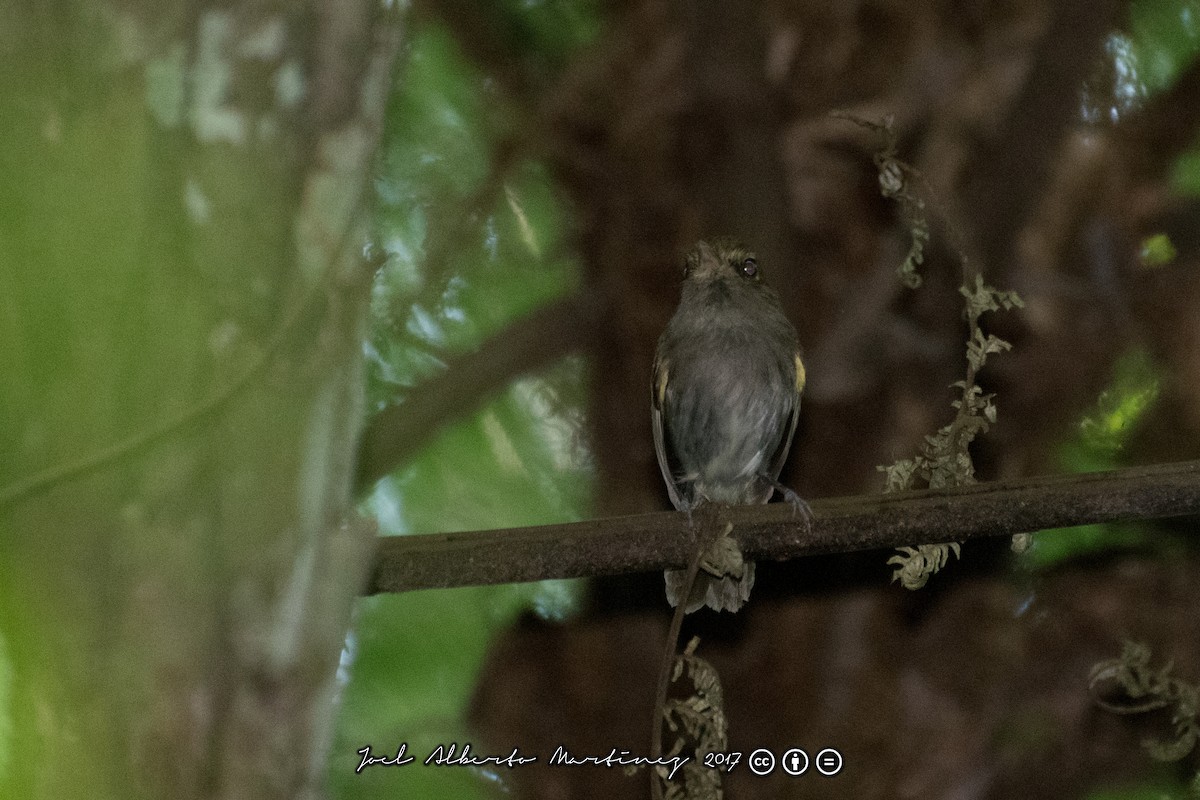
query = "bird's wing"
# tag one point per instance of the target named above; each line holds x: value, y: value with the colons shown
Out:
x: 785, y: 442
x: 658, y: 397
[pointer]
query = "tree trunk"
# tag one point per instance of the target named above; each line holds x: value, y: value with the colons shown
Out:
x: 182, y: 302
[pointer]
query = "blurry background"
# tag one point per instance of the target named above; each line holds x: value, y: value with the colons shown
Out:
x: 569, y: 152
x: 186, y: 263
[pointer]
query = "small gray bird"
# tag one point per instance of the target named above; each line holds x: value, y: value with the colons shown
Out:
x: 725, y: 398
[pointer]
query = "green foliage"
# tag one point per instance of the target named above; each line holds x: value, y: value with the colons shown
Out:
x: 1164, y: 38
x: 1157, y: 250
x: 474, y: 240
x: 411, y: 665
x: 1185, y: 174
x: 1080, y: 541
x: 548, y: 32
x: 1106, y: 428
x: 1160, y: 40
x: 1148, y: 689
x: 470, y: 245
x: 1103, y: 433
x: 519, y: 461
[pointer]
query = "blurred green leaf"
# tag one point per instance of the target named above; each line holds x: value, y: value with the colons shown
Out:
x: 1160, y: 40
x: 1106, y: 428
x: 1102, y: 434
x: 518, y: 462
x: 473, y: 244
x: 1157, y: 251
x: 414, y: 661
x: 1185, y: 174
x: 1065, y: 544
x: 1165, y: 36
x: 551, y: 31
x: 1163, y: 788
x: 415, y: 657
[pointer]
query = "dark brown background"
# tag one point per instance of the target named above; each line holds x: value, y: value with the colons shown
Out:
x: 691, y: 119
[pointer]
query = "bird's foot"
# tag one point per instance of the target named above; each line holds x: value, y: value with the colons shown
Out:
x: 800, y: 508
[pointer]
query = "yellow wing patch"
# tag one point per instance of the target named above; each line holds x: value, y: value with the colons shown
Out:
x: 799, y: 375
x: 660, y: 382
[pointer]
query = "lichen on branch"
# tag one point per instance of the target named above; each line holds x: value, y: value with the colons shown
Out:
x: 1141, y: 688
x: 944, y: 460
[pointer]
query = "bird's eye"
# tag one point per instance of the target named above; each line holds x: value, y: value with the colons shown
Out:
x: 749, y: 268
x: 687, y: 270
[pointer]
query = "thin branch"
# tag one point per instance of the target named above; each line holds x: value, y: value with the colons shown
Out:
x: 649, y: 542
x: 664, y: 671
x: 536, y: 341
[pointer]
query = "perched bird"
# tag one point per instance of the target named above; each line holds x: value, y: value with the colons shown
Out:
x: 725, y: 398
